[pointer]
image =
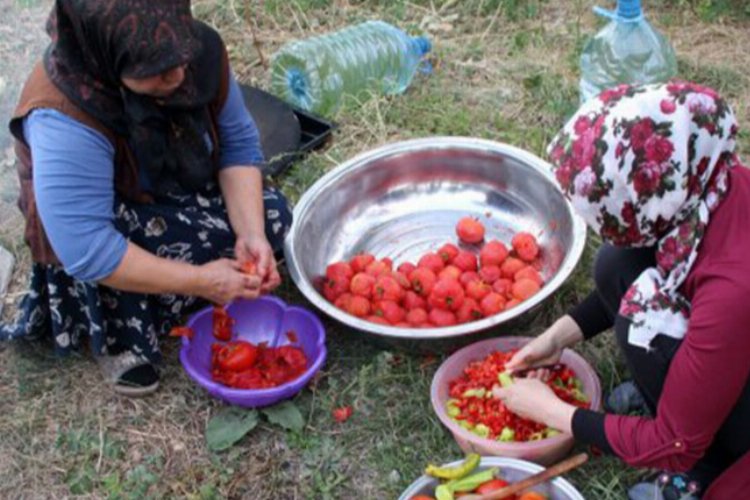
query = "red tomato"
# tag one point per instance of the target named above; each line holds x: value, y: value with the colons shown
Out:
x: 530, y: 273
x: 465, y: 261
x: 406, y: 268
x: 377, y: 268
x: 448, y: 252
x: 334, y: 287
x: 493, y: 253
x: 524, y: 288
x: 510, y: 267
x: 421, y: 497
x: 401, y: 279
x: 182, y: 331
x: 451, y: 272
x: 414, y: 301
x: 388, y: 263
x: 343, y: 301
x: 222, y: 324
x: 440, y: 317
x: 502, y: 286
x: 490, y: 274
x: 342, y: 414
x: 525, y: 246
x: 390, y: 311
x: 467, y: 277
x: 360, y: 262
x: 470, y: 230
x: 478, y: 289
x: 362, y: 284
x: 512, y: 303
x: 492, y: 304
x: 237, y: 356
x: 387, y: 288
x: 249, y: 267
x: 358, y: 306
x: 469, y: 311
x: 416, y: 317
x: 377, y: 319
x: 490, y: 486
x: 337, y: 269
x: 422, y: 281
x: 447, y: 294
x: 431, y: 261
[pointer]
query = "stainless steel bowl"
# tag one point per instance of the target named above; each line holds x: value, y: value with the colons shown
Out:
x: 404, y: 199
x: 512, y: 470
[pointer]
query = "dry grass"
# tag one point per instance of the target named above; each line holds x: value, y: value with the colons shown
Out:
x: 501, y: 72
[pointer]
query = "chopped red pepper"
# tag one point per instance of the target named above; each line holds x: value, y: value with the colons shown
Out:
x: 492, y: 413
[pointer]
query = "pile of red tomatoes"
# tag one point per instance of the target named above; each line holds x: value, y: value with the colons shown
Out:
x: 451, y: 286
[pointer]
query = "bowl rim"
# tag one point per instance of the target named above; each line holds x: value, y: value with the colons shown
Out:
x: 542, y: 167
x: 464, y: 434
x: 487, y: 461
x: 223, y: 391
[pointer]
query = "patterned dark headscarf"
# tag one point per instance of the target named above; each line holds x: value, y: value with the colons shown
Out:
x: 97, y: 42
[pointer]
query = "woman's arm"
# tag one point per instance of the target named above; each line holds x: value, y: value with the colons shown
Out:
x: 73, y: 179
x: 704, y: 382
x: 242, y: 185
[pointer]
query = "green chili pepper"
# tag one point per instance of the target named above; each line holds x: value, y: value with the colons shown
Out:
x: 451, y: 409
x: 505, y: 379
x: 470, y: 483
x: 474, y: 393
x: 507, y: 434
x: 443, y: 492
x: 455, y: 472
x: 481, y: 430
x: 550, y: 432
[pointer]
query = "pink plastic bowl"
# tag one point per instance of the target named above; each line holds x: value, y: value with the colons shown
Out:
x: 545, y: 451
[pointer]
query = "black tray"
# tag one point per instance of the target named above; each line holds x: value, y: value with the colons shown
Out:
x: 286, y: 133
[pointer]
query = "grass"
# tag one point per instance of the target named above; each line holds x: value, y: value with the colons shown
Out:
x: 504, y: 70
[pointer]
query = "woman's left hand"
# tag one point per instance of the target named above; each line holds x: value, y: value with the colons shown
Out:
x: 533, y: 399
x: 255, y: 248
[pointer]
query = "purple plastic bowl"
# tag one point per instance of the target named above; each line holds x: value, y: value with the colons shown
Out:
x: 256, y: 321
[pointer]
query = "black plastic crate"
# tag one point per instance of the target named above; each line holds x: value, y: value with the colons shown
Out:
x: 286, y: 133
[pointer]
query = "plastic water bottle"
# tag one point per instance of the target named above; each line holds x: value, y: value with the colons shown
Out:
x: 369, y: 58
x: 627, y: 50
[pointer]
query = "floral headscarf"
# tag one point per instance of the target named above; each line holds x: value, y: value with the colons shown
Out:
x: 646, y: 166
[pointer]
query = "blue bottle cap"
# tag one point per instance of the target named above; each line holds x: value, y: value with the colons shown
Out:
x: 423, y: 44
x: 629, y: 9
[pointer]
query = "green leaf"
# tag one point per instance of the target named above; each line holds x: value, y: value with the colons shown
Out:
x: 286, y: 414
x: 228, y: 426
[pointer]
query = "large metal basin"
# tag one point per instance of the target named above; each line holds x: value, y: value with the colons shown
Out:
x: 401, y: 200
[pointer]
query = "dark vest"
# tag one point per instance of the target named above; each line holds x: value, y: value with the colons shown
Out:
x: 40, y: 92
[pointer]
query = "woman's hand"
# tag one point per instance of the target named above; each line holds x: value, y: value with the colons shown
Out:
x: 255, y: 248
x: 223, y: 281
x: 547, y: 348
x: 533, y: 399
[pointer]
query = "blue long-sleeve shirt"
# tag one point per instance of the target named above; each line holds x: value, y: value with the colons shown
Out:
x: 74, y: 182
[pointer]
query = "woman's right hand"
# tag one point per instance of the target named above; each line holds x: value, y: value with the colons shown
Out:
x: 222, y: 281
x: 547, y: 348
x: 543, y: 350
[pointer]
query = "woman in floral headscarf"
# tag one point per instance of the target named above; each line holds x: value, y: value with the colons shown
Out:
x: 653, y: 170
x: 137, y: 164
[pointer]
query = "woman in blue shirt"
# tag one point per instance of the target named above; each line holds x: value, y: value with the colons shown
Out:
x: 140, y: 84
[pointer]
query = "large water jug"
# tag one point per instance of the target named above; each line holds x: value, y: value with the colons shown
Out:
x: 369, y: 58
x: 627, y: 50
